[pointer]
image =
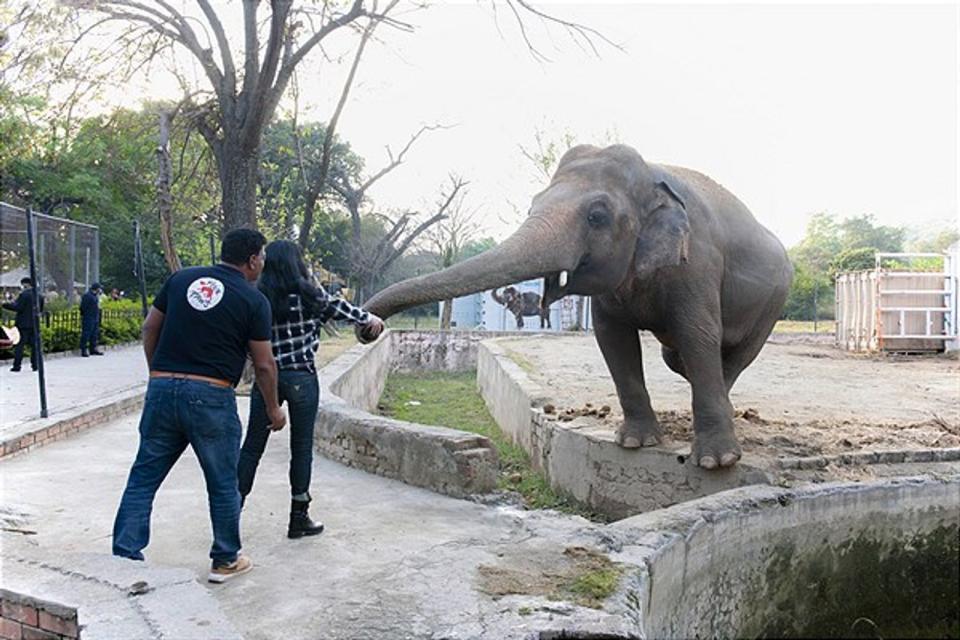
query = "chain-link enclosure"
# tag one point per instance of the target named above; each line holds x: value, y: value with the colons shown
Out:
x: 67, y: 254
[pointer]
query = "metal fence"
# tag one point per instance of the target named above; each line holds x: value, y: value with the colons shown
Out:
x: 68, y: 254
x: 64, y: 326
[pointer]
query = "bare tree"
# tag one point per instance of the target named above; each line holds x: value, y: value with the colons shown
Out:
x: 245, y: 97
x: 164, y: 191
x: 449, y: 237
x: 369, y: 260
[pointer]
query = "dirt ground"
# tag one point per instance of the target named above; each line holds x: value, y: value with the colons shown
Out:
x: 797, y: 398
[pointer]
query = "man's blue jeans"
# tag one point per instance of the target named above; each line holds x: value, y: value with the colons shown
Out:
x: 301, y: 391
x: 176, y: 413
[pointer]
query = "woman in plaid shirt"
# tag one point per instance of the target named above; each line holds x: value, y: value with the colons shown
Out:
x: 299, y: 309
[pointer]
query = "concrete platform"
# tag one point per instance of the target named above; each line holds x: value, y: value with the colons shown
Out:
x: 394, y: 562
x: 399, y: 561
x: 538, y: 389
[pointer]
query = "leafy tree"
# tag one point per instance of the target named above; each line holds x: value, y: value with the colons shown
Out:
x: 106, y: 176
x: 290, y: 168
x: 831, y: 246
x: 858, y: 259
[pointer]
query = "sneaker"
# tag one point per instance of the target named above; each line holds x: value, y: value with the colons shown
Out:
x: 15, y: 369
x: 238, y: 567
x: 96, y: 353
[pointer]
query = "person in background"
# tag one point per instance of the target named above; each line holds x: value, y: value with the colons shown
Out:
x: 196, y: 338
x: 90, y: 321
x: 300, y: 308
x: 24, y: 323
x: 114, y: 294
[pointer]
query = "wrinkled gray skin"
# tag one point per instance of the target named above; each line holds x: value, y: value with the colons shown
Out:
x: 657, y: 247
x: 525, y: 304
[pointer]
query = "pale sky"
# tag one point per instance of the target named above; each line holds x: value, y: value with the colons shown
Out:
x: 848, y: 109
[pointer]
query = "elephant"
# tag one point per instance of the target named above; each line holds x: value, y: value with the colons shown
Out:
x: 525, y: 304
x: 657, y: 247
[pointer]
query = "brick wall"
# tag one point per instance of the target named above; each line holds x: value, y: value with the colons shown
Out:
x: 24, y: 617
x: 63, y: 428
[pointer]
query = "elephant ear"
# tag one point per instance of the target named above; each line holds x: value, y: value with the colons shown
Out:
x: 664, y: 236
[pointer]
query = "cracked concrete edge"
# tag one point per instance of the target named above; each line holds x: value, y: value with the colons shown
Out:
x: 169, y: 602
x: 28, y: 435
x: 892, y: 456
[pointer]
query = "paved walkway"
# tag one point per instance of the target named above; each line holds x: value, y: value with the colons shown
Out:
x: 72, y: 383
x: 395, y: 561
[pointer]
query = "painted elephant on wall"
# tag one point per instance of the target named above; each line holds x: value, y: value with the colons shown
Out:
x: 657, y: 247
x: 523, y: 304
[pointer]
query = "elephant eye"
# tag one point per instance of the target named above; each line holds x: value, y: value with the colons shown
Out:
x: 598, y: 217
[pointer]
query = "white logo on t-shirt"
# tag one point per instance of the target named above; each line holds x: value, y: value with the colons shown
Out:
x: 204, y: 293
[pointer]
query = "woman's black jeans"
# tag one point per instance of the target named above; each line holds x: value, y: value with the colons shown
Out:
x: 301, y: 391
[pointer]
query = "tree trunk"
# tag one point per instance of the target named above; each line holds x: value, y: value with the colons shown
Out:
x: 447, y: 313
x: 238, y: 180
x: 164, y: 196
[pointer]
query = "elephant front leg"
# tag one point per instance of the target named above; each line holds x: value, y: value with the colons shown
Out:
x: 620, y: 346
x: 714, y: 441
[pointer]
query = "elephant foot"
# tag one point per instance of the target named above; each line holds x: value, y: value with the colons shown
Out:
x: 633, y: 433
x: 717, y: 447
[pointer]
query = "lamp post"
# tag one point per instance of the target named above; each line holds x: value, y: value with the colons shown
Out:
x: 37, y: 345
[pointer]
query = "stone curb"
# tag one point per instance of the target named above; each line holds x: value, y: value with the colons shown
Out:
x: 682, y: 584
x: 31, y: 434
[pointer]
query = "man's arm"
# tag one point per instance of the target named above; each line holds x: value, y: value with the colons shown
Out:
x: 19, y: 304
x: 265, y: 370
x: 152, y: 325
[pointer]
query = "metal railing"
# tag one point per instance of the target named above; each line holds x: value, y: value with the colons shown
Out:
x: 66, y: 325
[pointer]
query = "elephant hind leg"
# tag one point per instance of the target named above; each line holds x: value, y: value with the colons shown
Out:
x: 673, y: 360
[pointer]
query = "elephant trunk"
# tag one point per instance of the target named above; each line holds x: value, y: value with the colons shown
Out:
x: 532, y: 251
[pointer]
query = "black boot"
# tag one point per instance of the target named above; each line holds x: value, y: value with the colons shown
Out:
x: 300, y: 522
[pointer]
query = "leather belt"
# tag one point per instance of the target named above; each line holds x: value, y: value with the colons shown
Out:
x: 191, y: 376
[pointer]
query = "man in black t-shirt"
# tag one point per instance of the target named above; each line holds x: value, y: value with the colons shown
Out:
x: 196, y: 338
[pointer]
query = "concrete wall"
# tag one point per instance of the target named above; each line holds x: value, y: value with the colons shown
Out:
x: 445, y: 460
x: 587, y: 464
x: 437, y: 350
x: 768, y: 562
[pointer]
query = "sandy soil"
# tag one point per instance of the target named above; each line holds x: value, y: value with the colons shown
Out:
x: 796, y: 399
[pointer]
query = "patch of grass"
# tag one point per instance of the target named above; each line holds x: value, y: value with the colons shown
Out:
x: 804, y: 326
x: 593, y: 587
x: 402, y: 321
x: 521, y: 361
x: 452, y: 400
x: 581, y: 575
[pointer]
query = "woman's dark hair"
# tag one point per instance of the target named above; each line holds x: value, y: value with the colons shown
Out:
x: 239, y: 244
x: 285, y: 272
